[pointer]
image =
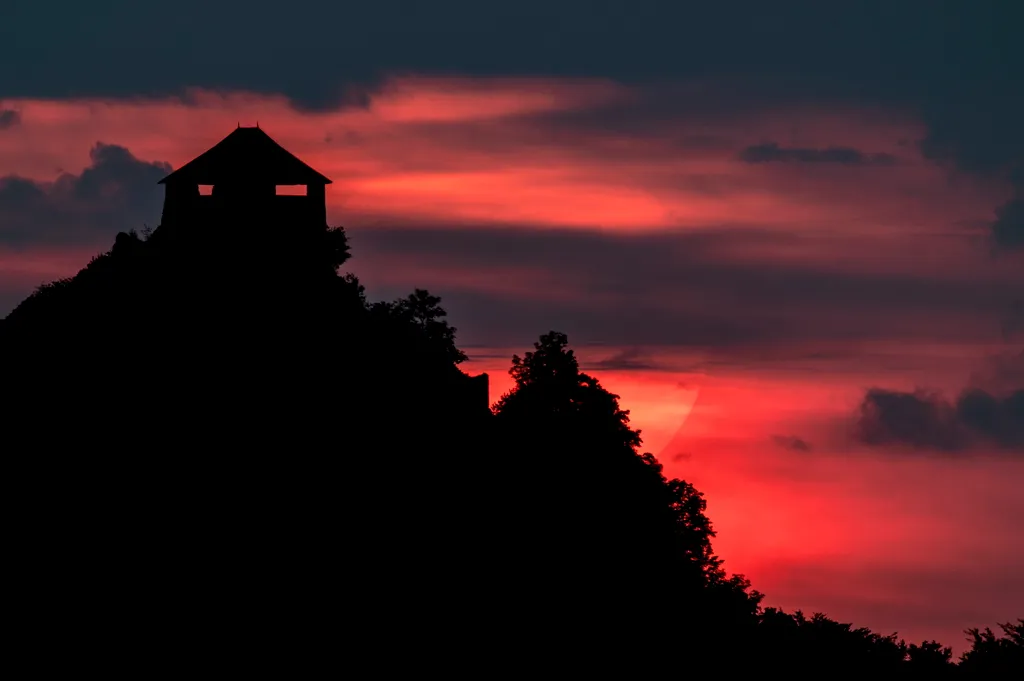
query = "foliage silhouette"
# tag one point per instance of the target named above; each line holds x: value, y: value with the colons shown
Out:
x: 214, y: 433
x: 992, y: 654
x: 224, y: 411
x: 601, y: 516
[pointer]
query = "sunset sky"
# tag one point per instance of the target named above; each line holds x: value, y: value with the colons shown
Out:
x: 789, y: 235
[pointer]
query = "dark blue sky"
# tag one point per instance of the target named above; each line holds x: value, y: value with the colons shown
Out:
x: 959, y: 63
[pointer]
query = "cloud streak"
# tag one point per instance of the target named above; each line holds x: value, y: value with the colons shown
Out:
x: 695, y: 288
x: 467, y: 185
x: 771, y: 152
x: 549, y: 152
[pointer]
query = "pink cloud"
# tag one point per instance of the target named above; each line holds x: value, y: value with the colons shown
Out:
x: 484, y: 152
x: 459, y: 100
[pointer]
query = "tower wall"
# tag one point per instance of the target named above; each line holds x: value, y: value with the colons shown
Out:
x: 179, y: 200
x: 185, y: 207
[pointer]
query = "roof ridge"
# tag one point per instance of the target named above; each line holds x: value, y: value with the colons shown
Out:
x: 254, y: 157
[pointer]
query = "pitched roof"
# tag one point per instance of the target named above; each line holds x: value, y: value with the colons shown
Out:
x: 247, y: 154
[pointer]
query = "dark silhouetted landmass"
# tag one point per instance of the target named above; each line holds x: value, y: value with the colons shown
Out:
x: 217, y: 449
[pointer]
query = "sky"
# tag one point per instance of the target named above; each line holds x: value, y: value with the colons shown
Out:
x: 789, y: 235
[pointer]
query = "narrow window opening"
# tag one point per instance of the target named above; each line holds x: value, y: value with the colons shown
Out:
x: 290, y: 190
x: 205, y: 189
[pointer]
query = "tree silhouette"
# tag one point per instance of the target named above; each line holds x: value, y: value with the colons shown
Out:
x: 600, y: 512
x: 420, y: 319
x: 212, y: 431
x: 930, y: 660
x: 994, y: 655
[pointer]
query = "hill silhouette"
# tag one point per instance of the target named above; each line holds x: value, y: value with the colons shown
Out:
x: 224, y: 401
x: 217, y: 447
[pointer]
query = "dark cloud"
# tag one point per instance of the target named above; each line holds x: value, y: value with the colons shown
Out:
x: 771, y: 152
x: 9, y: 118
x: 791, y: 442
x: 794, y: 48
x: 1008, y: 227
x: 996, y: 418
x: 629, y: 359
x: 979, y: 133
x: 1013, y: 322
x: 973, y: 114
x: 674, y: 288
x: 927, y: 420
x: 919, y: 419
x: 116, y: 192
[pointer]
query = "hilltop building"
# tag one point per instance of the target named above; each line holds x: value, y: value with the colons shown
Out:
x: 244, y: 174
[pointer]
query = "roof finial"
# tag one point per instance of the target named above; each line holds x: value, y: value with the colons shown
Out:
x: 257, y: 125
x: 239, y: 124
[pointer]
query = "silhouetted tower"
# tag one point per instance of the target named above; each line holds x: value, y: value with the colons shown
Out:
x: 244, y: 170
